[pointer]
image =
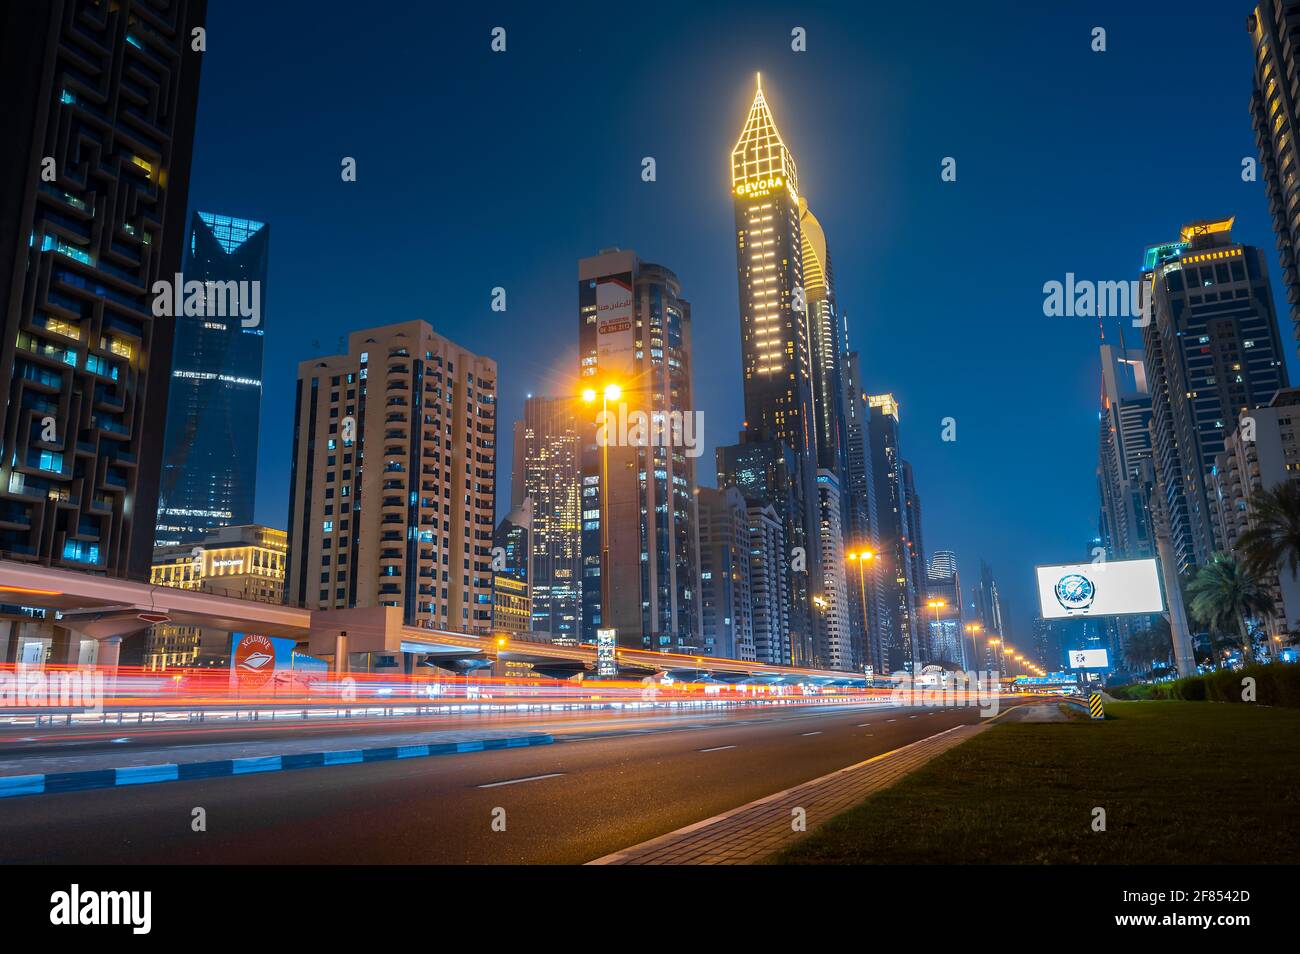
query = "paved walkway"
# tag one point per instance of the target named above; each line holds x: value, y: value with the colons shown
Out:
x: 749, y: 834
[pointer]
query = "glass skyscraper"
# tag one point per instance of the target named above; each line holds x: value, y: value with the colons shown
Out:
x: 209, y: 475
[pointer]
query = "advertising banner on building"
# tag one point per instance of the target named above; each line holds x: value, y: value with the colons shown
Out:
x: 615, y: 334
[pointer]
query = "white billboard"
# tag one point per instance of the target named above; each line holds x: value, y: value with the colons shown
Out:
x: 1089, y: 659
x: 615, y: 337
x: 1113, y: 588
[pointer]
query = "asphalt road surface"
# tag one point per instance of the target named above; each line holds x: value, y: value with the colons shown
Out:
x: 608, y: 782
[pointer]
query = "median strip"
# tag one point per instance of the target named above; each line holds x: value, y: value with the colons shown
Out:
x: 15, y: 785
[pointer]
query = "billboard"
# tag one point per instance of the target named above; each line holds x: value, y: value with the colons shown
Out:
x: 615, y: 336
x: 1114, y: 588
x: 1089, y: 659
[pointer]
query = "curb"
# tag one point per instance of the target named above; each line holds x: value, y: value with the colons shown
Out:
x: 15, y: 785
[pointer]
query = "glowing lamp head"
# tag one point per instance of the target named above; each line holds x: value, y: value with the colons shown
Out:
x: 613, y: 392
x: 589, y: 395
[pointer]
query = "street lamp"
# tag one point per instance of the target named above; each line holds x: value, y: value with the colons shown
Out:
x: 974, y: 629
x: 611, y: 392
x: 862, y: 559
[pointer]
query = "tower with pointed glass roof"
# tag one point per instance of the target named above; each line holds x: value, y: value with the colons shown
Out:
x: 209, y: 475
x: 776, y: 357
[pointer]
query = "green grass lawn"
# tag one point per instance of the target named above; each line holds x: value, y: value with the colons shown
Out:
x: 1181, y: 782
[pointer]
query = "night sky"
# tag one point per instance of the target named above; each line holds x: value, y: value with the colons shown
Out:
x: 478, y: 170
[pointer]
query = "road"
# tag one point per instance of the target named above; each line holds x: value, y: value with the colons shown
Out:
x: 605, y: 784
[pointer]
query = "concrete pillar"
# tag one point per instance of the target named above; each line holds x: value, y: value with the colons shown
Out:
x: 341, y: 652
x: 110, y: 650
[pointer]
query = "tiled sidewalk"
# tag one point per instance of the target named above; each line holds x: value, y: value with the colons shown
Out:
x: 750, y: 833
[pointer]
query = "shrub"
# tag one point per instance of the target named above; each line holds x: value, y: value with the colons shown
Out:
x: 1276, y: 684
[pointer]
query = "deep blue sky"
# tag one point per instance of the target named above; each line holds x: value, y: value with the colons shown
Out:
x: 479, y: 169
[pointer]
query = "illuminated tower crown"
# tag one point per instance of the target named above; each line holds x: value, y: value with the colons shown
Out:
x: 760, y: 161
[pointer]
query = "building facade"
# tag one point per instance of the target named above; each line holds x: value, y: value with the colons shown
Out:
x: 209, y: 475
x: 638, y: 474
x: 94, y: 176
x: 1213, y: 353
x: 901, y: 649
x: 769, y: 585
x: 547, y: 472
x: 725, y: 596
x: 405, y: 423
x: 244, y: 562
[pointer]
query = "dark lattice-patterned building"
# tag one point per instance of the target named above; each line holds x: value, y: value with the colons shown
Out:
x: 100, y: 99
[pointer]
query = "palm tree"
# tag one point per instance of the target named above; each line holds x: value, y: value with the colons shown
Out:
x: 1274, y: 534
x: 1148, y: 646
x: 1224, y: 593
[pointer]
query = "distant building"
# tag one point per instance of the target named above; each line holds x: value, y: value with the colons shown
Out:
x: 244, y: 562
x: 948, y: 639
x: 512, y: 605
x: 863, y: 530
x: 209, y: 475
x: 835, y: 607
x: 548, y: 473
x: 902, y: 650
x: 405, y: 423
x: 725, y: 597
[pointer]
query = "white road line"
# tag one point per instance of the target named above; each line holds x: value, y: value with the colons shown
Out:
x: 810, y: 733
x: 716, y: 748
x: 891, y: 720
x: 516, y: 781
x: 863, y: 725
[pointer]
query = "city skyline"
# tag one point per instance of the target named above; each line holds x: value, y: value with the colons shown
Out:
x: 924, y: 235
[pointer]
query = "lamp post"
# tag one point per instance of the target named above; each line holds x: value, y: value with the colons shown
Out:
x: 611, y: 392
x: 936, y: 605
x: 973, y: 629
x: 862, y: 559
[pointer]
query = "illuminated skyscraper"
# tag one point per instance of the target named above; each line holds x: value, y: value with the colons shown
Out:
x: 209, y: 476
x: 546, y: 472
x: 634, y: 333
x: 901, y: 650
x: 1213, y: 353
x: 776, y: 356
x: 108, y: 93
x: 727, y: 604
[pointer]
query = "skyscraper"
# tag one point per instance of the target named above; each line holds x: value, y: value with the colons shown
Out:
x: 1213, y: 352
x: 768, y: 585
x: 634, y: 333
x: 947, y: 638
x: 546, y: 471
x: 770, y: 476
x: 209, y: 476
x: 404, y: 423
x: 1124, y: 443
x: 863, y: 532
x: 94, y: 177
x: 901, y: 650
x: 1275, y: 114
x: 776, y: 357
x: 833, y: 606
x: 512, y: 608
x: 725, y: 597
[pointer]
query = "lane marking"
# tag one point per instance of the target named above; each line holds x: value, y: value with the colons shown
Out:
x: 911, y: 717
x: 810, y: 733
x: 863, y: 725
x: 891, y: 720
x: 716, y: 748
x: 516, y: 781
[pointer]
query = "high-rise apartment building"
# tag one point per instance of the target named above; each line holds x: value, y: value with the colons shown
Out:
x: 209, y: 475
x: 863, y: 531
x: 1213, y: 352
x: 769, y: 585
x: 1274, y: 30
x: 833, y: 605
x: 726, y: 601
x: 1124, y: 443
x: 512, y: 606
x: 547, y: 472
x: 639, y: 561
x: 1263, y: 458
x: 94, y: 176
x: 393, y: 487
